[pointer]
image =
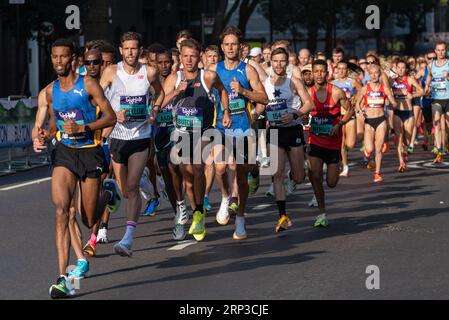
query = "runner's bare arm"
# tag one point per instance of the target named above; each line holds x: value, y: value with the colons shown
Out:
x: 258, y: 93
x: 169, y: 89
x: 260, y: 71
x: 153, y: 78
x: 428, y: 80
x: 419, y: 90
x: 359, y: 99
x: 307, y: 102
x: 340, y: 97
x: 108, y: 76
x: 212, y: 79
x: 391, y: 98
x: 41, y: 114
x: 96, y: 94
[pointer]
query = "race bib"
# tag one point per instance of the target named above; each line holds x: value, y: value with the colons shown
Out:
x: 375, y: 99
x: 275, y: 111
x: 136, y: 107
x: 70, y: 115
x: 189, y: 118
x: 236, y: 104
x: 399, y: 93
x: 165, y: 116
x: 321, y: 126
x: 438, y: 84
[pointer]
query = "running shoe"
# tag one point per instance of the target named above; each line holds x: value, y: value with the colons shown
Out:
x: 145, y: 185
x: 385, y: 147
x: 313, y: 202
x: 89, y: 249
x: 198, y: 227
x: 240, y: 232
x: 410, y: 150
x: 179, y: 232
x: 265, y: 162
x: 402, y: 168
x: 123, y: 250
x: 290, y: 185
x: 362, y: 148
x: 152, y: 205
x: 253, y: 184
x: 270, y: 191
x: 62, y: 289
x: 223, y: 216
x: 81, y: 271
x: 207, y: 204
x: 371, y: 165
x: 102, y: 236
x: 435, y: 150
x: 344, y: 172
x: 321, y: 221
x: 234, y: 207
x: 182, y: 216
x: 114, y: 204
x: 438, y: 158
x: 377, y: 177
x: 283, y: 223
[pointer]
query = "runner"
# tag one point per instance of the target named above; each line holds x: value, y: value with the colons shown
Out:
x: 350, y: 87
x: 189, y: 92
x: 338, y: 55
x: 325, y: 137
x: 303, y: 58
x: 243, y: 84
x: 404, y: 121
x: 266, y: 52
x: 284, y: 112
x: 438, y: 83
x: 74, y: 103
x: 371, y: 103
x: 129, y: 85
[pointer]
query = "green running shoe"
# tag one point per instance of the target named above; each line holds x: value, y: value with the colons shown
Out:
x: 62, y: 289
x: 321, y: 221
x: 198, y: 226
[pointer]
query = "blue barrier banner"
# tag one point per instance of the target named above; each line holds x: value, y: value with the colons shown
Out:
x: 16, y: 122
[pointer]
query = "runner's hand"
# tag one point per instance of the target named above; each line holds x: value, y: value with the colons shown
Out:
x: 235, y: 86
x: 226, y: 120
x: 152, y: 118
x: 39, y: 141
x: 121, y: 116
x: 287, y: 118
x: 181, y: 87
x: 335, y: 130
x: 71, y: 127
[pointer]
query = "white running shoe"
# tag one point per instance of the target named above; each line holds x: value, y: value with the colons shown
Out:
x: 240, y: 232
x: 344, y: 172
x: 182, y: 216
x: 145, y: 185
x: 313, y: 202
x: 102, y: 236
x: 222, y: 216
x: 270, y: 191
x: 290, y: 185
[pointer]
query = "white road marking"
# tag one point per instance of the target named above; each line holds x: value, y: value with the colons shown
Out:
x: 16, y: 186
x: 182, y: 245
x: 261, y: 206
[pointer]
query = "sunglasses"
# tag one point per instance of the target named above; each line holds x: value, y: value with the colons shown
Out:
x: 431, y: 58
x: 95, y: 62
x: 371, y: 62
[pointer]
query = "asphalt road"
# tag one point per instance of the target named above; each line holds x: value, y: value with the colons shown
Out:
x: 400, y: 225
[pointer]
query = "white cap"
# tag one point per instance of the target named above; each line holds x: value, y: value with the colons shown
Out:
x: 255, y: 52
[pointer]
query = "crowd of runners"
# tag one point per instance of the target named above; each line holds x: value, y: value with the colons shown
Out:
x: 168, y: 123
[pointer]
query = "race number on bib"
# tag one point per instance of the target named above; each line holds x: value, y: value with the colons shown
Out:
x: 438, y: 84
x: 136, y: 107
x: 165, y: 116
x: 70, y: 115
x: 322, y: 126
x: 236, y: 104
x: 189, y: 118
x: 275, y: 111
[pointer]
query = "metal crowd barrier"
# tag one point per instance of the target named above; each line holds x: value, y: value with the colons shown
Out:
x: 18, y: 155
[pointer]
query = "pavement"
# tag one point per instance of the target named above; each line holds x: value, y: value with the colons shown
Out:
x: 399, y: 226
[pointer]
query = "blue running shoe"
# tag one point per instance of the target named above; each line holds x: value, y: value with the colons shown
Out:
x: 123, y: 250
x: 152, y: 205
x: 207, y: 205
x: 81, y: 271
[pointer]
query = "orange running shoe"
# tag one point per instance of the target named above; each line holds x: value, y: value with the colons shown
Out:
x: 438, y: 158
x: 377, y: 177
x: 385, y: 147
x: 371, y: 165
